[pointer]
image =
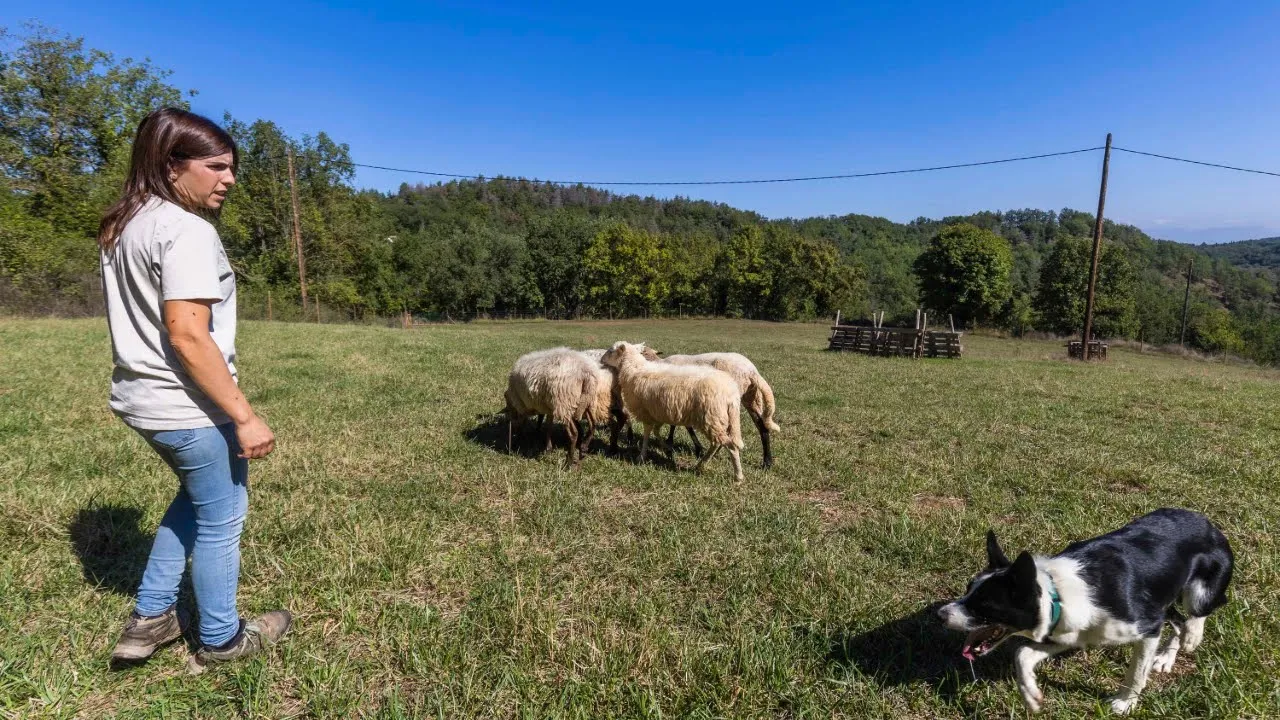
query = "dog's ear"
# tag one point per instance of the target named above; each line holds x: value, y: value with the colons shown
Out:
x: 1024, y: 571
x: 996, y: 559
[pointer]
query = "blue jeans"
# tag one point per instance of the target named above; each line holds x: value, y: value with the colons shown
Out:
x: 202, y: 524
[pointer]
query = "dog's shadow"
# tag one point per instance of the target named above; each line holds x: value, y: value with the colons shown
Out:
x: 915, y: 648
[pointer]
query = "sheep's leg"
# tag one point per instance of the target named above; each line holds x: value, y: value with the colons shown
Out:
x: 671, y: 441
x: 736, y: 458
x: 697, y: 446
x: 509, y: 423
x: 587, y: 436
x: 710, y: 454
x: 571, y: 429
x: 764, y: 438
x: 644, y: 441
x: 615, y: 428
x: 547, y: 427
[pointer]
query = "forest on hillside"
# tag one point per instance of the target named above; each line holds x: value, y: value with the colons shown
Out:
x: 503, y: 245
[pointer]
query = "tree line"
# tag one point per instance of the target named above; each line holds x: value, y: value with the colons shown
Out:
x: 505, y: 245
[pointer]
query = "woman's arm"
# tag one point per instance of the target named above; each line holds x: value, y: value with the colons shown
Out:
x: 187, y: 322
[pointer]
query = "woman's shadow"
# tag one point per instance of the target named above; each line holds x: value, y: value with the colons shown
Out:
x: 113, y: 549
x: 111, y: 546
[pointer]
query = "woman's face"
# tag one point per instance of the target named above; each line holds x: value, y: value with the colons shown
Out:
x: 204, y: 182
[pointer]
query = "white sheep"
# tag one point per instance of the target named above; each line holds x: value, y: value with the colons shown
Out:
x: 757, y: 395
x: 699, y: 397
x: 562, y: 385
x: 607, y: 387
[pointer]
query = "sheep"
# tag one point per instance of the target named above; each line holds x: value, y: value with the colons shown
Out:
x: 757, y: 395
x: 609, y: 396
x: 607, y: 387
x: 658, y: 394
x: 564, y: 386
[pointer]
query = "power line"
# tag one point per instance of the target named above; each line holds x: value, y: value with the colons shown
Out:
x: 810, y: 178
x: 742, y: 182
x: 1197, y: 162
x: 760, y: 181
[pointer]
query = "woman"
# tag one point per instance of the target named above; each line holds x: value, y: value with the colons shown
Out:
x: 171, y: 308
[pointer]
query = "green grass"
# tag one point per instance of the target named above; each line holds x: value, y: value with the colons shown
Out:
x: 433, y: 575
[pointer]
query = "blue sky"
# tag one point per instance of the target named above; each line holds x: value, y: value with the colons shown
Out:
x: 701, y: 91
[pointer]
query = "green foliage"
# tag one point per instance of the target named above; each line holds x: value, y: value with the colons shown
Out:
x: 1261, y: 253
x: 1215, y: 331
x: 67, y: 116
x: 964, y: 272
x: 1064, y: 284
x: 624, y: 271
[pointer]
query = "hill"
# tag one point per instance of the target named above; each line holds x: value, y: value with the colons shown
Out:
x: 1260, y: 253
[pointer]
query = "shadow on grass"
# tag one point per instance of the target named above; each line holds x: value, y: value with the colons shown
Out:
x: 528, y: 440
x: 111, y: 546
x: 915, y: 648
x: 491, y: 431
x: 113, y: 550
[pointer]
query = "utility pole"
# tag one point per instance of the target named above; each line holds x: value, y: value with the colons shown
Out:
x: 297, y: 234
x: 1097, y: 249
x: 1186, y: 300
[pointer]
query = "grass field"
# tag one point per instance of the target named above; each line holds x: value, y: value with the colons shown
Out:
x: 433, y: 574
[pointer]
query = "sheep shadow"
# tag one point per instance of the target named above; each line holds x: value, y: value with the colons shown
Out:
x: 527, y: 441
x: 111, y: 546
x: 914, y: 648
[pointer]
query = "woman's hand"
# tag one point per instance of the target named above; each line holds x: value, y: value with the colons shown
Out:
x: 255, y: 438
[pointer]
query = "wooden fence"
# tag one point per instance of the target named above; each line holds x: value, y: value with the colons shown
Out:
x: 897, y: 342
x: 1097, y: 350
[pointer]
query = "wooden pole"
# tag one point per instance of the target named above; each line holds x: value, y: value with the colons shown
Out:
x: 317, y: 309
x: 952, y: 321
x: 837, y: 315
x: 1186, y: 302
x: 297, y: 232
x: 1097, y: 249
x: 268, y: 304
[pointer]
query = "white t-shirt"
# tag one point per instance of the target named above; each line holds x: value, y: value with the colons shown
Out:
x: 164, y: 253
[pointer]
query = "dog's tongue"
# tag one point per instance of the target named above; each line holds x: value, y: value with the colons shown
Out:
x: 975, y: 639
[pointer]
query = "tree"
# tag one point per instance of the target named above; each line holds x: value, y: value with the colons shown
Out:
x: 623, y: 271
x: 557, y: 243
x: 67, y: 117
x: 1064, y: 284
x: 964, y: 271
x: 745, y: 271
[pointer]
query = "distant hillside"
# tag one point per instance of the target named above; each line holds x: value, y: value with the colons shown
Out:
x: 1260, y: 253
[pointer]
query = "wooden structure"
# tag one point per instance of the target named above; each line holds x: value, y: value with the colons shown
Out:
x: 896, y: 342
x: 1097, y: 350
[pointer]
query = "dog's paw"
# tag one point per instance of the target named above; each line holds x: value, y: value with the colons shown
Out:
x: 1121, y: 705
x: 1164, y: 662
x: 1033, y: 700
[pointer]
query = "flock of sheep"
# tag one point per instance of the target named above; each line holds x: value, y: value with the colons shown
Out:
x: 702, y: 393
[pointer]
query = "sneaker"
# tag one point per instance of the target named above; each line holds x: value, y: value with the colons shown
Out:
x: 250, y: 640
x: 143, y: 636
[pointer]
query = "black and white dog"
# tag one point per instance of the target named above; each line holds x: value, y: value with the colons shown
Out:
x: 1117, y: 589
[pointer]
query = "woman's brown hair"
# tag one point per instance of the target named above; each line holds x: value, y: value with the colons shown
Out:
x: 166, y: 139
